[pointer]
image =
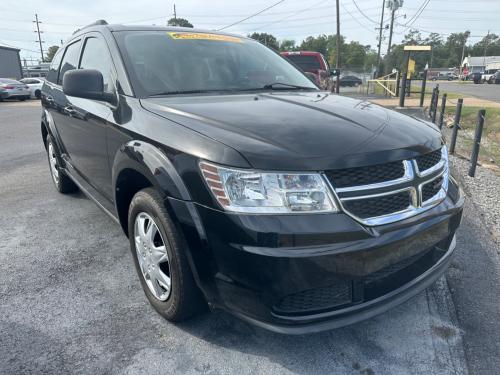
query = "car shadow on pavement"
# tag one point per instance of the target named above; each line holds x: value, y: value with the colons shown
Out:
x: 418, y: 336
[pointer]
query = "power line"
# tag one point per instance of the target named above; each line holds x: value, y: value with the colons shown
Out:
x: 417, y: 13
x: 291, y: 15
x: 253, y: 15
x: 355, y: 19
x: 362, y: 13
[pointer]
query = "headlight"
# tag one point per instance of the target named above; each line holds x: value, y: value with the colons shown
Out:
x: 262, y: 192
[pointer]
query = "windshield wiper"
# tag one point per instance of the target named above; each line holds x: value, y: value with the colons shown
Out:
x: 175, y: 92
x: 286, y: 86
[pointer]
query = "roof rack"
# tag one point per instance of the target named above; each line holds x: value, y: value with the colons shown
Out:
x: 96, y: 23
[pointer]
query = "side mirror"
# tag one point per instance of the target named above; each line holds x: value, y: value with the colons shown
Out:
x: 335, y: 72
x: 87, y: 84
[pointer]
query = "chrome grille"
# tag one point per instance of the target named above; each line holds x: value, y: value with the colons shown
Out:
x: 414, y: 186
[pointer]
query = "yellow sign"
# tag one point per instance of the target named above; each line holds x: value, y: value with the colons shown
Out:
x: 203, y: 36
x: 411, y: 68
x: 417, y: 48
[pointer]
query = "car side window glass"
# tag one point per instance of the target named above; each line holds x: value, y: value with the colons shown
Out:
x: 70, y: 60
x: 96, y: 56
x: 54, y: 67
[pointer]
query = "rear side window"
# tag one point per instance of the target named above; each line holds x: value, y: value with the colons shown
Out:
x: 70, y: 60
x: 54, y: 67
x: 305, y: 62
x: 96, y: 56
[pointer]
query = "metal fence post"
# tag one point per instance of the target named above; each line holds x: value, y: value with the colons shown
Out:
x: 436, y: 99
x: 422, y: 91
x: 456, y: 126
x: 443, y: 107
x: 432, y: 102
x: 477, y: 142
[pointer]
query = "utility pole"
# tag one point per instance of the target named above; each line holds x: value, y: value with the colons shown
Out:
x: 39, y: 37
x: 485, y: 48
x: 395, y: 5
x: 380, y: 37
x: 337, y: 64
x: 175, y: 13
x: 466, y: 36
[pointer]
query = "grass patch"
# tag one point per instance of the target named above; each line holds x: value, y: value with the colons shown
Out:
x: 490, y: 143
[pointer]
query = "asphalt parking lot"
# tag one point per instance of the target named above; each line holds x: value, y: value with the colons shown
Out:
x: 483, y: 91
x: 70, y: 300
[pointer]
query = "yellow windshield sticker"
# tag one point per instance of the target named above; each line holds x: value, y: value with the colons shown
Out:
x: 203, y: 36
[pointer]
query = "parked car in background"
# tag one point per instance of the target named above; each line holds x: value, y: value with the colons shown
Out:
x: 35, y: 86
x: 476, y: 77
x: 446, y: 76
x: 312, y: 62
x: 351, y: 81
x: 487, y: 74
x: 495, y: 78
x: 14, y: 89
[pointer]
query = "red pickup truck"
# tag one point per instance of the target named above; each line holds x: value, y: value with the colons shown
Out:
x: 312, y: 62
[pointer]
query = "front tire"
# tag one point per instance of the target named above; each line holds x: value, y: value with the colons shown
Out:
x: 62, y: 182
x: 159, y: 252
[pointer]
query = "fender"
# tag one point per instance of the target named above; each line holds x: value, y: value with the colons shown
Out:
x: 50, y: 128
x: 152, y: 163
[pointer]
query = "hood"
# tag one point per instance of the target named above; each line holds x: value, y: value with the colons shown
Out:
x: 301, y: 130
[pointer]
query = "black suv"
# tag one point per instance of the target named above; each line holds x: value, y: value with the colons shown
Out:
x: 241, y: 185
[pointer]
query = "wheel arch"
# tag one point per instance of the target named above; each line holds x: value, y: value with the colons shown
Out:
x: 137, y: 165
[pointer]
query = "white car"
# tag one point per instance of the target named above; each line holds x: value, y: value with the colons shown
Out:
x: 35, y: 85
x: 12, y: 89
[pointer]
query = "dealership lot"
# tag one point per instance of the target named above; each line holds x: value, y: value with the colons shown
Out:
x: 70, y: 300
x: 468, y: 89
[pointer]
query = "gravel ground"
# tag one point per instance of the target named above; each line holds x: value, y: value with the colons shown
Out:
x: 484, y: 192
x: 70, y: 300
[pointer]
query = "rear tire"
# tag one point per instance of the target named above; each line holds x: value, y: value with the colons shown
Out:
x: 62, y: 182
x: 182, y: 298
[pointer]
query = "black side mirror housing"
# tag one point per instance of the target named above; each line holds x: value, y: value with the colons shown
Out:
x: 335, y: 72
x: 87, y: 84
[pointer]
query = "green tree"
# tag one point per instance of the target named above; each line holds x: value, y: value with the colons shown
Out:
x: 50, y: 53
x: 287, y: 45
x: 182, y: 22
x: 266, y: 39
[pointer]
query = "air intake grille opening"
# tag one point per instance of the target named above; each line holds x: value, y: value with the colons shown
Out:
x: 378, y: 206
x: 348, y: 177
x: 429, y: 160
x: 431, y: 189
x: 316, y: 299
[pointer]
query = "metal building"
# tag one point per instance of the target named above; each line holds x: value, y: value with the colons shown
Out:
x: 10, y: 63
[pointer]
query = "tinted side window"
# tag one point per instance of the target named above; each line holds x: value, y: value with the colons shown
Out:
x: 96, y: 56
x: 54, y: 67
x: 70, y: 60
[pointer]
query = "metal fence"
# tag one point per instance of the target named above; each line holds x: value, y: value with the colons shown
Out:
x: 465, y: 139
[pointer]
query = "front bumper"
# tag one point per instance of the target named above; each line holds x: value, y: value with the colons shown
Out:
x: 297, y: 274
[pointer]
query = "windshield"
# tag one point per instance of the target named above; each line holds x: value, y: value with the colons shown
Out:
x: 164, y: 62
x: 305, y: 62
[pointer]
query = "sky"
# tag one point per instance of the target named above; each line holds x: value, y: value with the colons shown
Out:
x: 289, y: 19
